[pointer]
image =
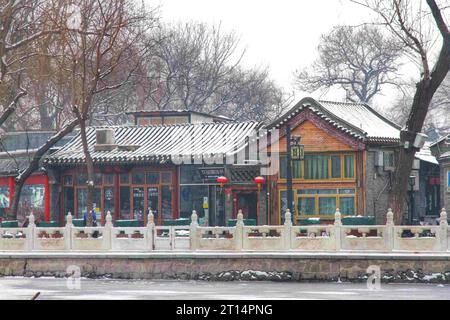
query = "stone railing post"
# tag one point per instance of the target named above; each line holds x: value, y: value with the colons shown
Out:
x: 108, y: 235
x: 68, y: 232
x: 150, y: 230
x: 389, y: 233
x: 194, y: 230
x: 337, y: 229
x: 443, y: 230
x: 31, y: 231
x: 287, y: 229
x: 239, y: 232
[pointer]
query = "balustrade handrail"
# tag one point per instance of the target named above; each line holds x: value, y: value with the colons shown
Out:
x: 337, y: 237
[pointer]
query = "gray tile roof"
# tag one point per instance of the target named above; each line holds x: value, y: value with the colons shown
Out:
x: 159, y: 144
x: 356, y: 119
x: 11, y: 163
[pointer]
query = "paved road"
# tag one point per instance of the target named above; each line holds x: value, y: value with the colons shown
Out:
x: 50, y: 288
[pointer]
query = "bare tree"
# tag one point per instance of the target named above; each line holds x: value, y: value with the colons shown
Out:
x: 438, y: 117
x: 101, y: 57
x: 413, y: 25
x: 359, y: 60
x: 199, y: 67
x: 21, y: 23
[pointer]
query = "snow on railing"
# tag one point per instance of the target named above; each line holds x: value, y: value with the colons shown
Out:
x: 328, y: 238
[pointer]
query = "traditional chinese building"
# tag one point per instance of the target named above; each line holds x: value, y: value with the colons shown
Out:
x: 170, y: 169
x: 349, y: 159
x: 441, y: 150
x: 17, y: 148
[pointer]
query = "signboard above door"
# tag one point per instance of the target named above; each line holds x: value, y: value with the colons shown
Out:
x: 211, y: 174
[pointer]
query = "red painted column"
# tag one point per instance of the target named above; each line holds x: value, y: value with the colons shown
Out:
x: 46, y: 199
x: 11, y: 190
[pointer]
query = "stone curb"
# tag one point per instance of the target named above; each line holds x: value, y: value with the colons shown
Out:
x: 228, y: 255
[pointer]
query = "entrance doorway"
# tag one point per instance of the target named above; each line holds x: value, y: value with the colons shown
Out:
x: 247, y: 201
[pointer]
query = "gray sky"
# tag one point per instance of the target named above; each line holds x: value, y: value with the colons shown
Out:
x: 282, y: 35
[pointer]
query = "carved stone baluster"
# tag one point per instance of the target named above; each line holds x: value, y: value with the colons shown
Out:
x: 68, y: 232
x: 287, y: 230
x: 443, y: 230
x: 31, y: 232
x: 389, y: 233
x: 239, y: 231
x: 193, y: 230
x: 337, y: 229
x: 150, y: 230
x: 108, y: 236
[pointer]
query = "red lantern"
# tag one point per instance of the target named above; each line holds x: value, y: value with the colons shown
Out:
x: 222, y: 181
x: 259, y: 181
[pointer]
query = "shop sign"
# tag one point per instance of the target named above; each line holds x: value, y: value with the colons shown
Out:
x: 211, y: 174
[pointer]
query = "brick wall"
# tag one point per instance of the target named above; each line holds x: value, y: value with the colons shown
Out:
x: 377, y: 189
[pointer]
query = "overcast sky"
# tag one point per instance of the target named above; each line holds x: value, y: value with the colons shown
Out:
x: 280, y: 34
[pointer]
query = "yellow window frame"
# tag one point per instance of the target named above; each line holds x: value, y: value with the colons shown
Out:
x: 342, y: 178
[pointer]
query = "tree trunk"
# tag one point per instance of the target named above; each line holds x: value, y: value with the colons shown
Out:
x: 35, y: 163
x: 90, y: 173
x: 426, y: 89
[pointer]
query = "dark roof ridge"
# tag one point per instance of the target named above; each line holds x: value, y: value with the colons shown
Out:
x: 172, y: 125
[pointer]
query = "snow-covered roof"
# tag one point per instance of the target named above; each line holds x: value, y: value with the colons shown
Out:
x: 356, y: 119
x: 425, y: 155
x: 445, y: 156
x: 365, y: 118
x: 440, y: 140
x: 159, y: 144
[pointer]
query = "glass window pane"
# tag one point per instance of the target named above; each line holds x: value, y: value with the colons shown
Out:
x: 166, y: 202
x: 167, y: 177
x: 138, y: 203
x: 97, y: 203
x: 97, y: 179
x: 138, y: 178
x: 190, y: 174
x: 349, y: 167
x: 335, y: 167
x: 192, y: 199
x: 347, y: 191
x: 68, y: 201
x: 125, y: 208
x: 327, y: 191
x: 327, y: 206
x: 307, y: 191
x: 108, y: 179
x: 67, y: 180
x: 307, y: 206
x: 124, y: 178
x: 31, y: 201
x: 153, y: 178
x: 81, y: 203
x: 108, y: 198
x: 81, y: 179
x: 153, y: 200
x: 4, y: 196
x: 316, y: 167
x: 296, y: 169
x: 283, y: 167
x: 347, y: 205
